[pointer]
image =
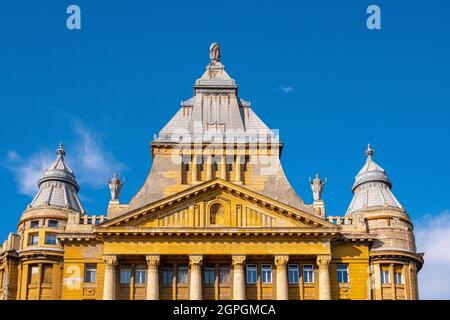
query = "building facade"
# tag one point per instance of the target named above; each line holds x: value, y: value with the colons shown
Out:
x: 216, y: 219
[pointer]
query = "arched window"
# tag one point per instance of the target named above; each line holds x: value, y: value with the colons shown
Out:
x: 216, y: 214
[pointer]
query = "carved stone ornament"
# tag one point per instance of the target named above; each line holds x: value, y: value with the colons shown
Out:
x: 195, y: 260
x: 323, y: 260
x: 281, y: 260
x: 238, y: 259
x: 153, y: 260
x: 110, y: 260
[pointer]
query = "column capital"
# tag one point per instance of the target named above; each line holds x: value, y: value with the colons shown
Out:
x: 281, y: 260
x: 153, y: 260
x: 238, y: 259
x: 110, y: 260
x: 323, y: 260
x: 195, y: 259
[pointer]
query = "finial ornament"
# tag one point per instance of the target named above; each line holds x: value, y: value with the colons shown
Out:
x: 369, y: 152
x: 317, y: 186
x: 214, y: 52
x: 115, y: 186
x: 60, y: 152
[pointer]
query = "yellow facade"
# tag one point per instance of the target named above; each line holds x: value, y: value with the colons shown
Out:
x: 211, y: 222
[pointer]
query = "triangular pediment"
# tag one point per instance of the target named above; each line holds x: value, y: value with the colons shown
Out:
x: 218, y: 204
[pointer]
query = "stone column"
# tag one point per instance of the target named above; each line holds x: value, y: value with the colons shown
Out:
x: 195, y: 289
x: 152, y: 277
x: 238, y: 169
x: 223, y: 167
x: 323, y: 261
x: 238, y: 277
x: 194, y: 178
x: 282, y: 277
x: 208, y: 167
x: 109, y: 283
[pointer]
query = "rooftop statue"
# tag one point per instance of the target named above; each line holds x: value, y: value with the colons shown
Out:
x: 115, y: 186
x: 317, y: 186
x: 214, y: 52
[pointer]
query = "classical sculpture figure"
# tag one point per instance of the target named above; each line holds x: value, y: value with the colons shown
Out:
x: 317, y: 186
x: 214, y: 52
x: 115, y: 186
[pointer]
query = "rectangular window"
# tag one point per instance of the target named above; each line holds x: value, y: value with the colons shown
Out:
x: 385, y: 277
x: 398, y: 278
x: 50, y: 238
x: 125, y: 275
x: 252, y: 274
x: 53, y: 223
x: 224, y: 275
x: 182, y: 274
x: 215, y: 167
x: 308, y: 273
x: 266, y: 273
x: 209, y: 275
x: 90, y: 273
x: 293, y: 273
x: 47, y: 273
x: 34, y: 239
x: 34, y: 224
x: 34, y: 274
x: 342, y: 273
x: 167, y: 275
x: 141, y: 275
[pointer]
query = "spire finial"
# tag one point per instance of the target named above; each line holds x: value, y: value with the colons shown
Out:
x: 61, y: 153
x: 369, y: 152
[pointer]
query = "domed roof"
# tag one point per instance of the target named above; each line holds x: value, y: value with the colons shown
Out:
x: 372, y: 187
x: 371, y: 171
x: 58, y: 186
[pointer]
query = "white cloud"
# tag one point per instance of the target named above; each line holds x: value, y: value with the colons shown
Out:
x: 28, y: 171
x: 433, y: 238
x: 90, y: 161
x: 284, y: 89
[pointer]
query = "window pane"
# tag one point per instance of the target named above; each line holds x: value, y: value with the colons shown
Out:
x: 224, y: 275
x: 182, y: 274
x: 34, y: 275
x: 125, y: 276
x: 385, y: 277
x: 34, y: 239
x: 90, y: 274
x: 293, y: 273
x: 209, y: 275
x: 308, y: 273
x: 141, y: 275
x: 251, y: 273
x: 266, y: 273
x: 398, y: 278
x: 52, y: 223
x: 34, y: 224
x: 168, y: 275
x: 50, y: 239
x: 342, y: 273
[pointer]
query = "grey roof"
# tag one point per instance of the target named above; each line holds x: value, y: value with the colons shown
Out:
x: 372, y: 187
x: 58, y: 186
x: 214, y: 112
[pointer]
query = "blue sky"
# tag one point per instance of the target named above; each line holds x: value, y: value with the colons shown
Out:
x: 311, y: 69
